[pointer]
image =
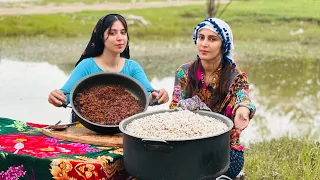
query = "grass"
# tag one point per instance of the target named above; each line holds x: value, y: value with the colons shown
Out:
x: 87, y: 1
x: 275, y: 20
x: 59, y: 2
x: 284, y: 158
x: 81, y: 24
x: 92, y: 1
x: 259, y: 20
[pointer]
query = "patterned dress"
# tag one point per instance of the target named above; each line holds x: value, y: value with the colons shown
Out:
x: 238, y: 95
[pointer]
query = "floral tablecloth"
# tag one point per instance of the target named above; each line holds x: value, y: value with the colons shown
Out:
x: 45, y: 158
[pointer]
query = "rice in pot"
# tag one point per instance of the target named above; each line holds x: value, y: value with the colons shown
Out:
x: 177, y: 125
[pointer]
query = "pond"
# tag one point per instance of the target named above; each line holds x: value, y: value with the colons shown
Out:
x: 286, y: 93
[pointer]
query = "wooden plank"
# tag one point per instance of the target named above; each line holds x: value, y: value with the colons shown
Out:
x: 83, y: 135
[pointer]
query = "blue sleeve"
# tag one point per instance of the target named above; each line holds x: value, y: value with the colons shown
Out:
x: 138, y: 74
x: 78, y: 73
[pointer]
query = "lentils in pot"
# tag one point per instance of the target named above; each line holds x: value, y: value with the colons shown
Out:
x: 176, y: 125
x: 106, y: 105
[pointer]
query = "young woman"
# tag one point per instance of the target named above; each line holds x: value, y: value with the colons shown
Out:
x: 213, y: 82
x: 107, y: 51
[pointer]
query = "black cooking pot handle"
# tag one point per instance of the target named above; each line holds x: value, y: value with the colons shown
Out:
x: 63, y: 103
x: 66, y: 105
x: 157, y: 145
x: 155, y: 100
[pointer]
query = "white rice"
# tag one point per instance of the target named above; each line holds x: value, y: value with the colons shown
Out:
x: 177, y: 125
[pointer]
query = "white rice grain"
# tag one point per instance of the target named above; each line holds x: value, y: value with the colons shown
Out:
x: 177, y: 125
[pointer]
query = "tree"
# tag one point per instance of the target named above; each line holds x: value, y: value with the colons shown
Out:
x: 213, y: 7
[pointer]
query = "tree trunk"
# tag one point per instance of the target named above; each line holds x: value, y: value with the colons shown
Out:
x: 211, y: 8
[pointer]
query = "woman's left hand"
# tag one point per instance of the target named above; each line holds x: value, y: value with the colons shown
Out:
x: 162, y: 96
x: 241, y: 119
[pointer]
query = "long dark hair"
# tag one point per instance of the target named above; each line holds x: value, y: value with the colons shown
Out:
x: 96, y: 44
x: 218, y: 94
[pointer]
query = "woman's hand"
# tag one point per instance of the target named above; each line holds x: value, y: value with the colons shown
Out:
x: 57, y: 98
x: 162, y: 96
x: 192, y: 104
x: 241, y: 120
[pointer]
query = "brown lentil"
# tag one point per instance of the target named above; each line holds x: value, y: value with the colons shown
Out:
x: 106, y: 105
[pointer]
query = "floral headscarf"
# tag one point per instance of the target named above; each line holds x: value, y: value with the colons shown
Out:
x: 96, y: 44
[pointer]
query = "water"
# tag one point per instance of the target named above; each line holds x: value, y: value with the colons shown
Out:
x: 286, y: 92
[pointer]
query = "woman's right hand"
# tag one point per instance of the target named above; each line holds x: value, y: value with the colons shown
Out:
x: 57, y: 98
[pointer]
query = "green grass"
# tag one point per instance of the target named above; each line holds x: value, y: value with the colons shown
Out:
x: 59, y: 2
x: 88, y: 1
x: 274, y: 19
x: 285, y: 158
x: 266, y: 20
x: 81, y: 24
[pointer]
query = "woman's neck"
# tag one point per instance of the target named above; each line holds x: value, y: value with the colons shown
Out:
x: 109, y: 59
x: 210, y: 66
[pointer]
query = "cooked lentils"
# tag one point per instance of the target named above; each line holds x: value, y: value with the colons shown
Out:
x: 107, y: 105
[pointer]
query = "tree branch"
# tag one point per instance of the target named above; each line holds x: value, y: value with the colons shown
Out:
x: 210, y: 8
x: 225, y: 7
x: 217, y: 8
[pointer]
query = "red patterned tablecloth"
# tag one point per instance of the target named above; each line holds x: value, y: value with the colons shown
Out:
x: 46, y: 158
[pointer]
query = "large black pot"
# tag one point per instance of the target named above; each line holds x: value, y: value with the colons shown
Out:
x: 107, y: 78
x: 192, y: 159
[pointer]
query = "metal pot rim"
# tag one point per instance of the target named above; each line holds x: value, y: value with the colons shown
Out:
x: 98, y: 74
x: 227, y: 121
